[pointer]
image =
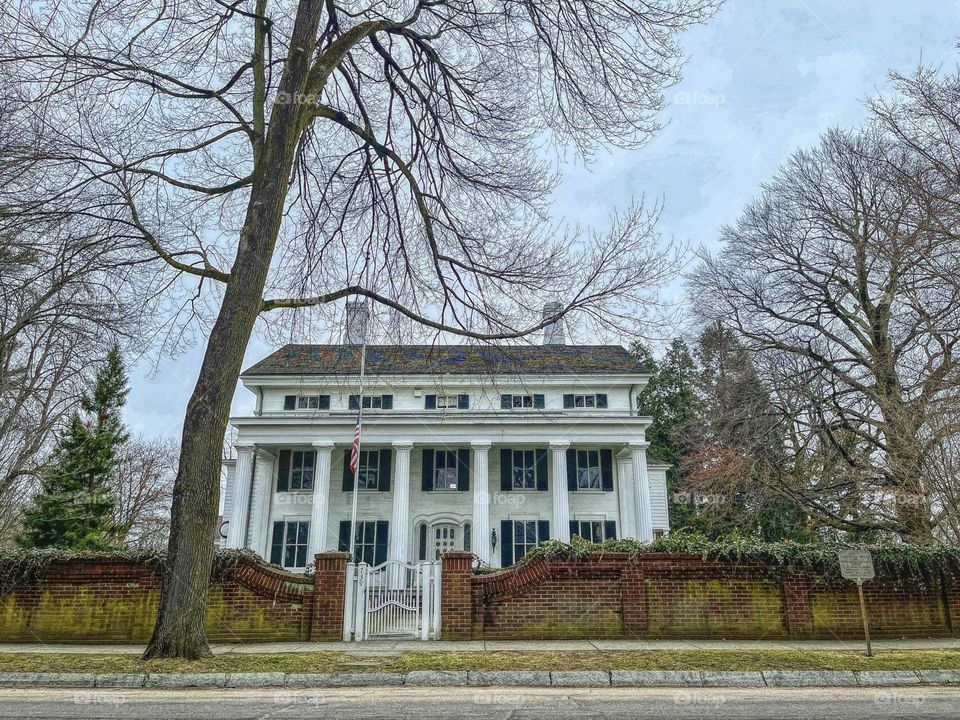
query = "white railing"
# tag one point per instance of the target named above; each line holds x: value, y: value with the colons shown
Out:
x: 394, y: 599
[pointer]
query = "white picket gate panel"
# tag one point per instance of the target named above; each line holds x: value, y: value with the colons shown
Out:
x: 392, y: 600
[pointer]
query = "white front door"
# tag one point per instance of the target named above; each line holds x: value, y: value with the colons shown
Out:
x: 444, y: 538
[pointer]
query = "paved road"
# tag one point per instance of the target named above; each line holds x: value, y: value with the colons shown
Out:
x: 519, y: 703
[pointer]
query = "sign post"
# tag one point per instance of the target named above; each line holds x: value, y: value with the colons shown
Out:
x: 857, y: 565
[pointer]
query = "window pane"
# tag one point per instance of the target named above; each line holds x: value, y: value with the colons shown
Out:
x: 308, y: 458
x: 301, y: 556
x: 528, y: 458
x: 594, y: 458
x: 467, y: 532
x: 369, y: 532
x: 528, y: 401
x: 302, y: 530
x: 578, y: 401
x: 531, y: 528
x: 518, y: 536
x: 581, y: 458
x: 589, y: 401
x: 301, y: 403
x: 289, y: 556
x: 594, y: 477
x: 295, y: 478
x: 314, y: 402
x: 597, y: 532
x: 517, y: 401
x: 377, y: 401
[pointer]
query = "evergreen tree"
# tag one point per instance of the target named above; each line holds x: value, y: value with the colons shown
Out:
x: 75, y: 504
x: 668, y: 398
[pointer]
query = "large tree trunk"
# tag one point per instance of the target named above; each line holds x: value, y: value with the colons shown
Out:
x: 180, y: 631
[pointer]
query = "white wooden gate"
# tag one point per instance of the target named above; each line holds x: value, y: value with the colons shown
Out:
x: 393, y: 600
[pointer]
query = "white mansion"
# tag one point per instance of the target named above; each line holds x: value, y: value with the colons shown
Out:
x: 464, y: 447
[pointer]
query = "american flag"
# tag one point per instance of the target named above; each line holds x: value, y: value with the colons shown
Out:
x: 355, y: 450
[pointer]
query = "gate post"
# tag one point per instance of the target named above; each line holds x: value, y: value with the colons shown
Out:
x: 455, y: 596
x: 329, y: 585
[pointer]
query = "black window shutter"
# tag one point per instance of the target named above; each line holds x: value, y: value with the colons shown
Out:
x: 506, y: 469
x: 463, y: 469
x: 506, y: 543
x: 289, y: 402
x: 606, y: 469
x: 543, y: 530
x: 571, y: 469
x: 601, y: 400
x: 386, y: 461
x: 538, y: 402
x: 568, y: 400
x: 430, y: 402
x: 574, y: 528
x: 276, y: 546
x: 283, y: 473
x: 386, y: 402
x: 324, y: 402
x: 354, y: 402
x: 463, y: 402
x: 540, y: 454
x: 426, y: 471
x: 347, y: 475
x: 506, y: 402
x: 344, y: 538
x: 380, y: 549
x: 610, y: 530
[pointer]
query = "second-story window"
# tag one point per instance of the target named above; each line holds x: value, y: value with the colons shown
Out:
x: 588, y: 469
x: 368, y: 471
x: 372, y: 402
x: 445, y: 470
x: 596, y: 400
x: 522, y: 402
x: 296, y: 470
x: 524, y: 470
x: 306, y: 402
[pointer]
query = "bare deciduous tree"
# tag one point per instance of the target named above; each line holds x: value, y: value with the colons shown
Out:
x: 292, y: 154
x: 143, y: 484
x: 842, y: 279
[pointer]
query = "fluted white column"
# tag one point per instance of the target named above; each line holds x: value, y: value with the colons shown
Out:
x: 400, y: 519
x: 262, y: 494
x: 642, y: 483
x: 240, y: 517
x: 321, y: 499
x: 626, y: 496
x: 481, y: 502
x: 561, y: 501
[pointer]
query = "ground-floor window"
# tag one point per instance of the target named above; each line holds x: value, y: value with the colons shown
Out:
x: 595, y: 531
x: 370, y: 541
x: 289, y: 545
x: 518, y: 537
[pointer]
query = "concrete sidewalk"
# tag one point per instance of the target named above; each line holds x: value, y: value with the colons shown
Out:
x: 395, y: 647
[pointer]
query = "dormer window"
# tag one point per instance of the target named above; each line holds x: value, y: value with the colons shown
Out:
x: 306, y: 402
x: 522, y: 402
x: 571, y: 400
x: 372, y: 402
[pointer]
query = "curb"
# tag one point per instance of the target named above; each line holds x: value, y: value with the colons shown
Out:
x: 492, y: 678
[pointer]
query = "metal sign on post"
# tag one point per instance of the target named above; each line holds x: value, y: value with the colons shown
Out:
x: 857, y: 565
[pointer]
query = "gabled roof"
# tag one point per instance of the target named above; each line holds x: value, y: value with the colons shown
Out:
x: 450, y: 359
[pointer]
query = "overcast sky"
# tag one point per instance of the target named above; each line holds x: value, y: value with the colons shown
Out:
x: 764, y: 78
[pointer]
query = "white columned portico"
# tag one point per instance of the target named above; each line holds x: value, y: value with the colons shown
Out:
x: 561, y: 500
x: 481, y: 501
x: 242, y: 482
x: 321, y: 499
x: 627, y: 495
x: 638, y: 452
x: 400, y: 519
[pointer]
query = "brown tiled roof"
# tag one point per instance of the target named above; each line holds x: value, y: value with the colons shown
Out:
x: 449, y: 359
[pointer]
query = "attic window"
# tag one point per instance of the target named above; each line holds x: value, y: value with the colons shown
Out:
x: 306, y: 402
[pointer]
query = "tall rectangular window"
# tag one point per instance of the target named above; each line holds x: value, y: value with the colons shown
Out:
x: 445, y: 470
x: 365, y: 543
x: 525, y: 538
x: 295, y: 544
x: 524, y: 470
x: 301, y: 469
x: 368, y: 470
x: 595, y: 531
x: 588, y: 470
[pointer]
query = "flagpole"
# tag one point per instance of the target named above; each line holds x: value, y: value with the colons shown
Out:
x: 359, y: 427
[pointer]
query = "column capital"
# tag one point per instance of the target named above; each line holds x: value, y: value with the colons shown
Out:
x: 322, y: 445
x: 481, y: 444
x: 403, y: 444
x: 559, y: 444
x: 244, y: 447
x: 640, y: 445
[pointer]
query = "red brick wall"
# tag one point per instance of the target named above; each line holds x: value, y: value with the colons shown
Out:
x: 455, y: 577
x: 115, y: 601
x: 659, y: 596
